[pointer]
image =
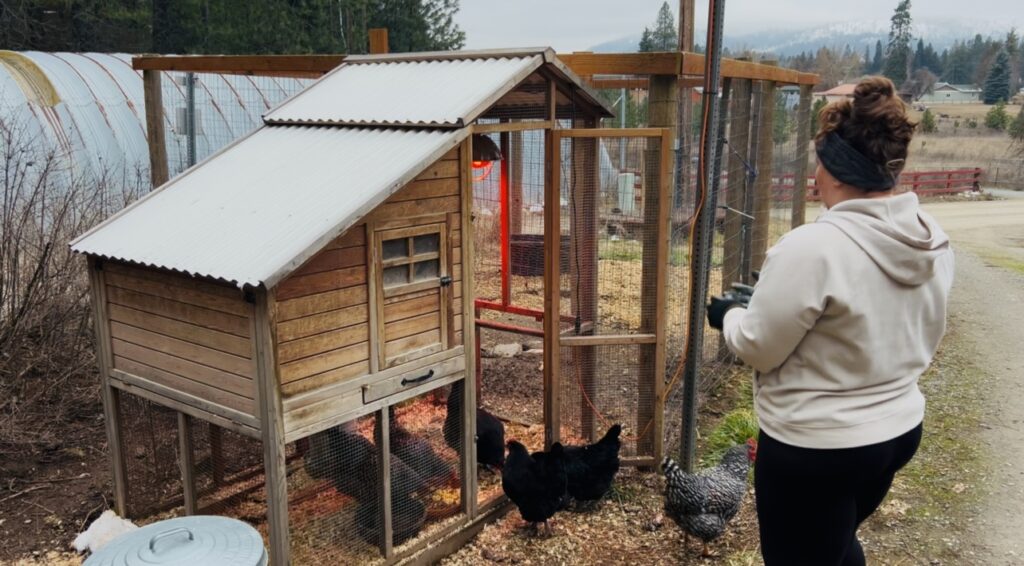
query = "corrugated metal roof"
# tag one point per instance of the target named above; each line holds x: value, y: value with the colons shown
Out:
x: 250, y: 213
x: 438, y: 92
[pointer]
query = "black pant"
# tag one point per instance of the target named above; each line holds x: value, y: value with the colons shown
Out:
x: 811, y: 501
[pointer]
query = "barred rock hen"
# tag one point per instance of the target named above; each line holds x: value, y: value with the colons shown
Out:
x: 536, y: 485
x: 704, y: 502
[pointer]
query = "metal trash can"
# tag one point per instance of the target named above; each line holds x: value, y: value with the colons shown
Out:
x: 185, y: 541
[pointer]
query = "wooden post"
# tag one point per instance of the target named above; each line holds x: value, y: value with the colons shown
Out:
x: 739, y: 143
x: 661, y: 113
x: 470, y: 335
x: 763, y: 184
x: 552, y: 278
x: 111, y: 396
x: 378, y: 40
x: 803, y: 142
x: 185, y: 460
x: 268, y: 402
x: 217, y: 453
x: 661, y: 298
x: 153, y: 94
x: 583, y: 197
x: 383, y: 442
x: 505, y: 198
x: 684, y: 105
x: 515, y: 198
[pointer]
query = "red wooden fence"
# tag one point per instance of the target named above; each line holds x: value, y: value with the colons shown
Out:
x: 925, y: 183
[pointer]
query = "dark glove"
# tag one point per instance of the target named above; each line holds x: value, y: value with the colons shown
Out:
x: 719, y: 306
x: 743, y: 293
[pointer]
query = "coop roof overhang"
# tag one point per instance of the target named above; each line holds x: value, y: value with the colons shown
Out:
x: 438, y: 90
x: 254, y: 212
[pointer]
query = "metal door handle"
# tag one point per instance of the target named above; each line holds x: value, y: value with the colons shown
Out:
x: 424, y: 377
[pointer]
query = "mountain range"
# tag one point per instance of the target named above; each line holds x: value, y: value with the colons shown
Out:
x: 857, y: 34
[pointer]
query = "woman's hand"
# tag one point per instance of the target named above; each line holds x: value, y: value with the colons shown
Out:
x: 721, y: 305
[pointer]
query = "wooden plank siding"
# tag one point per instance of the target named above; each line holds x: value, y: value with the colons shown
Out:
x: 182, y: 333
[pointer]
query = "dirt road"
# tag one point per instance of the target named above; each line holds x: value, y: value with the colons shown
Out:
x: 988, y: 305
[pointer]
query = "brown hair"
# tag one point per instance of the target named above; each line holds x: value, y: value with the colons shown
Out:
x: 874, y: 122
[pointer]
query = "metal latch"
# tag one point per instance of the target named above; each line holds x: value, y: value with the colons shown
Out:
x: 446, y: 280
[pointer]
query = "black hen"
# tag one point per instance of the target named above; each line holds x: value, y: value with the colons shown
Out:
x: 536, y: 485
x: 490, y: 432
x: 416, y: 453
x: 591, y: 469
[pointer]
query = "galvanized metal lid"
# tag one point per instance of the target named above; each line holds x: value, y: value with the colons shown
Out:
x: 191, y: 541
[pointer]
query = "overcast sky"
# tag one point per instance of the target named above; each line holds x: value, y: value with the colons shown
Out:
x: 569, y: 25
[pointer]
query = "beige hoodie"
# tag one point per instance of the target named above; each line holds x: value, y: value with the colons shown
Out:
x: 846, y: 317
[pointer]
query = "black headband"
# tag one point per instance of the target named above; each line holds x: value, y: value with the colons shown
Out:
x: 851, y: 167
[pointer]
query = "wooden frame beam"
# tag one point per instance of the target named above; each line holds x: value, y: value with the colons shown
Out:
x: 583, y: 64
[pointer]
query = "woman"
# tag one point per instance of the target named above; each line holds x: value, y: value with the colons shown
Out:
x: 846, y: 316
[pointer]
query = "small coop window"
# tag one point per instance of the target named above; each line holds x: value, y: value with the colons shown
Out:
x: 410, y: 256
x: 413, y: 265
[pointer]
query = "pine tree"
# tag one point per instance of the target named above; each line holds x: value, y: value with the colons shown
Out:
x: 928, y: 122
x: 997, y: 118
x: 919, y: 56
x: 879, y: 59
x: 867, y: 59
x: 782, y: 126
x: 997, y: 83
x: 897, y: 55
x: 663, y: 36
x: 815, y: 113
x: 1016, y: 130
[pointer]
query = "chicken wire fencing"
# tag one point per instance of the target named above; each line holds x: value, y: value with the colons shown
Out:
x: 609, y: 291
x: 334, y: 482
x: 204, y: 112
x: 755, y: 204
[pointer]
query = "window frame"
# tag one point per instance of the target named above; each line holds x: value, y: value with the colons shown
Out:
x: 411, y: 258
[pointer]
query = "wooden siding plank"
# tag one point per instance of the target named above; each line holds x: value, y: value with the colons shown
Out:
x: 411, y: 208
x: 324, y: 322
x: 354, y: 236
x: 321, y: 343
x: 199, y: 373
x: 182, y: 330
x: 434, y: 188
x: 194, y: 297
x: 202, y: 285
x: 410, y: 326
x: 332, y: 259
x: 414, y: 342
x: 414, y: 307
x: 314, y: 365
x: 321, y: 303
x: 326, y: 378
x: 172, y: 346
x: 441, y: 170
x: 199, y: 407
x: 305, y: 285
x: 186, y: 385
x: 206, y: 318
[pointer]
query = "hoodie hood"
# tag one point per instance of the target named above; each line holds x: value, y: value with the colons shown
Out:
x: 895, y: 233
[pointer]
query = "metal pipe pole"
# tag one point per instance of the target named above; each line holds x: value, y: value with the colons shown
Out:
x: 712, y: 138
x: 190, y: 116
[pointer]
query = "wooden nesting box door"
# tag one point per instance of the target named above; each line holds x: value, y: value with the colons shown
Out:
x: 412, y: 284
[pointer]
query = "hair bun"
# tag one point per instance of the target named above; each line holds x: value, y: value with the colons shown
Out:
x: 874, y: 98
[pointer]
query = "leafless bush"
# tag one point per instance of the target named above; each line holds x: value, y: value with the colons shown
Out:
x: 46, y: 348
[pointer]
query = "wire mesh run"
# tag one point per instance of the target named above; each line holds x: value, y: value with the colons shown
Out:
x: 149, y: 446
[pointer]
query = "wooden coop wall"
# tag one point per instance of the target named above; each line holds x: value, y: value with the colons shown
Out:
x: 336, y: 332
x: 181, y: 341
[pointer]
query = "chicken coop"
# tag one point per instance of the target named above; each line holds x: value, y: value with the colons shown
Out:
x: 287, y: 332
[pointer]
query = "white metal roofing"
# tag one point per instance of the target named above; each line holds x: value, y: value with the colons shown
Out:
x: 436, y: 92
x: 252, y: 213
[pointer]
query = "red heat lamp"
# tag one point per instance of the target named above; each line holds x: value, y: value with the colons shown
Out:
x: 485, y: 153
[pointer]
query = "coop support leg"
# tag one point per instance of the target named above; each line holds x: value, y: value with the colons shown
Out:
x: 185, y: 461
x: 471, y: 339
x: 268, y: 398
x: 383, y: 442
x: 111, y: 396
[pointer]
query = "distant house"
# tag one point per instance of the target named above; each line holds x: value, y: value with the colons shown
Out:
x: 946, y: 93
x: 791, y: 95
x: 837, y: 93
